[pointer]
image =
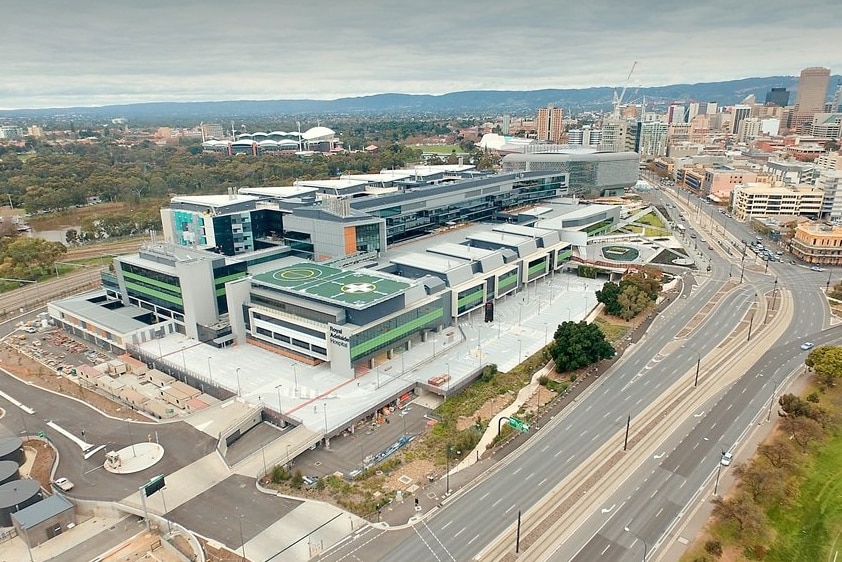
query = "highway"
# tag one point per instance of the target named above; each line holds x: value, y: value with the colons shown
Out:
x: 477, y: 516
x: 650, y: 499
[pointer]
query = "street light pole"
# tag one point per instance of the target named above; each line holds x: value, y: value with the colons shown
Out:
x: 239, y: 388
x: 280, y: 409
x: 645, y: 545
x: 210, y: 373
x: 295, y: 379
x: 242, y: 540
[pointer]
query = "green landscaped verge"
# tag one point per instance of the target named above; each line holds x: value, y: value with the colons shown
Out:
x: 811, y: 528
x: 651, y: 219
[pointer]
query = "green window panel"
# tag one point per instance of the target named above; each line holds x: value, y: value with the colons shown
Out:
x: 565, y: 254
x: 154, y: 293
x: 395, y: 334
x: 542, y: 266
x: 472, y: 297
x: 155, y: 282
x: 507, y: 280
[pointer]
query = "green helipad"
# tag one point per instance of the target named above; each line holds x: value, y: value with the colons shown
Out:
x: 340, y: 286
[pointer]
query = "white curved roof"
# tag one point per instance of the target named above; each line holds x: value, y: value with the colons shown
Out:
x: 244, y: 142
x: 245, y: 136
x: 255, y: 135
x: 268, y: 142
x: 318, y: 133
x: 287, y: 142
x: 214, y: 142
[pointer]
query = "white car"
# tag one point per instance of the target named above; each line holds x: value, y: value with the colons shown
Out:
x: 726, y: 459
x: 816, y: 268
x: 63, y: 484
x: 807, y: 345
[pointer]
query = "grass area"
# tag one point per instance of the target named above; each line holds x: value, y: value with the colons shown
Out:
x: 614, y: 332
x: 806, y: 524
x: 651, y: 219
x: 810, y: 528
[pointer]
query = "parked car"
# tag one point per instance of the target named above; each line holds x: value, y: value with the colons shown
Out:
x: 816, y: 268
x: 807, y: 345
x: 63, y: 484
x: 726, y: 459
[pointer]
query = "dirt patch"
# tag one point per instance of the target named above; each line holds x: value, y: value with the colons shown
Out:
x: 219, y: 554
x: 488, y: 410
x: 31, y: 371
x: 42, y: 465
x: 417, y: 470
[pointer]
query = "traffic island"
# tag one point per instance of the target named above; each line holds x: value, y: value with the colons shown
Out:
x: 134, y: 458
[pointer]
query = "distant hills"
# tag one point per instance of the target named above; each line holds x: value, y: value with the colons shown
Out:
x: 473, y: 103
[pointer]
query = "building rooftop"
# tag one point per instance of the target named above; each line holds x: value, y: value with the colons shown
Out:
x: 41, y: 511
x: 213, y: 200
x: 354, y: 289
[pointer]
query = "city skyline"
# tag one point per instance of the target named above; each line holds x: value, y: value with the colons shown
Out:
x: 102, y: 54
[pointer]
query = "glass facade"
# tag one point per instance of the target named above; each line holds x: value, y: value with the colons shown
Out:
x: 368, y: 237
x: 223, y: 275
x: 160, y: 289
x: 507, y: 282
x: 387, y: 334
x: 470, y: 299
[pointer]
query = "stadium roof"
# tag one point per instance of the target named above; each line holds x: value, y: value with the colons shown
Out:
x: 318, y: 133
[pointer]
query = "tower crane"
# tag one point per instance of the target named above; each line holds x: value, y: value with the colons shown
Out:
x: 619, y: 99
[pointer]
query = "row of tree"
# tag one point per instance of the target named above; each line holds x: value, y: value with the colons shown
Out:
x: 772, y: 479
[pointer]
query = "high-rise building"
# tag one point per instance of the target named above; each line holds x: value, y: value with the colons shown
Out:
x: 653, y: 138
x: 777, y: 96
x: 748, y: 129
x: 739, y: 113
x: 675, y: 114
x: 549, y: 124
x: 812, y: 91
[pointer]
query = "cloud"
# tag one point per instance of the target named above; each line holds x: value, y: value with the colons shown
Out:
x: 87, y: 53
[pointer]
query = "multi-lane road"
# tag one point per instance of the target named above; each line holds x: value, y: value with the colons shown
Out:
x: 649, y: 500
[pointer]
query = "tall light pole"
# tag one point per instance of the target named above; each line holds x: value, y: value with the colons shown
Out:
x: 698, y: 364
x: 210, y: 373
x: 242, y: 540
x: 295, y: 379
x: 239, y: 388
x: 645, y: 545
x: 519, y: 351
x: 280, y: 410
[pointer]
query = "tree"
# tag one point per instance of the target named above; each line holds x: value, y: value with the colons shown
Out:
x: 765, y: 483
x: 71, y: 236
x: 740, y: 509
x: 781, y: 454
x: 576, y: 345
x: 827, y: 362
x: 632, y: 301
x: 802, y: 430
x: 609, y: 296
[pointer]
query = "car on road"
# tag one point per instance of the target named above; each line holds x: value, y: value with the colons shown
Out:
x: 807, y: 345
x: 63, y: 484
x: 726, y: 459
x: 816, y: 268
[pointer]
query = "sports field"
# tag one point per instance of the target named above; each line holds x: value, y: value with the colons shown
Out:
x: 350, y: 288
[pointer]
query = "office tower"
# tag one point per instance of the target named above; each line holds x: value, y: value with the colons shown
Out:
x: 812, y: 91
x: 507, y: 122
x: 675, y: 114
x: 740, y: 112
x: 777, y: 96
x: 549, y: 124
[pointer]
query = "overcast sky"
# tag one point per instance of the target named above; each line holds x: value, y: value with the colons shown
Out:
x: 60, y: 53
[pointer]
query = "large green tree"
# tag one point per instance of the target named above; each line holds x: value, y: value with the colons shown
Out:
x: 827, y: 362
x: 578, y: 344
